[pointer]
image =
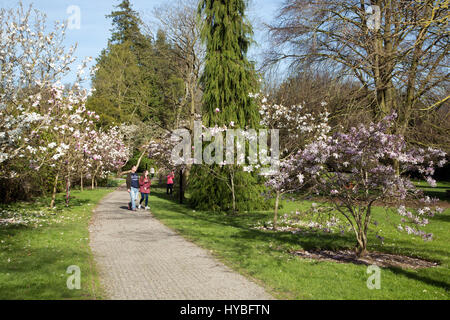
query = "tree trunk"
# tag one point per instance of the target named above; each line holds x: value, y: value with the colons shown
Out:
x: 361, y: 249
x: 92, y: 182
x: 233, y: 193
x: 81, y: 181
x: 186, y: 173
x: 55, y: 186
x: 397, y: 167
x: 181, y: 187
x: 68, y: 189
x: 275, y: 214
x: 192, y: 118
x: 188, y: 168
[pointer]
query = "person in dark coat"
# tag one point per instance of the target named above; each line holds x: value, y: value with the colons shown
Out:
x: 133, y: 187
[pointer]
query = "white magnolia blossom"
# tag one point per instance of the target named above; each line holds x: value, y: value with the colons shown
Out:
x: 41, y: 121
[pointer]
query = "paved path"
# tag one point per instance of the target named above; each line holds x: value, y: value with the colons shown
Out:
x: 140, y: 258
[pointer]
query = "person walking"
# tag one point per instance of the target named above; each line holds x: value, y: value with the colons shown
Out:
x: 133, y: 187
x: 144, y: 188
x: 170, y: 178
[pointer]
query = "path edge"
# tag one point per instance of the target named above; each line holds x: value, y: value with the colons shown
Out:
x: 100, y: 293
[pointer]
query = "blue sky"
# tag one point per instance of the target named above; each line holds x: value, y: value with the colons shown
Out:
x: 95, y: 28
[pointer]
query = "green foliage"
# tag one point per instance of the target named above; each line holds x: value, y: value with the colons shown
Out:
x: 228, y: 77
x: 167, y: 86
x: 109, y: 182
x: 136, y: 79
x: 25, y: 187
x: 118, y: 83
x: 228, y: 80
x: 211, y: 191
x: 126, y: 25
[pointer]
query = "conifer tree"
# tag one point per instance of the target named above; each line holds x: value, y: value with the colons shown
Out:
x: 229, y: 77
x: 135, y: 81
x: 228, y: 80
x: 126, y: 24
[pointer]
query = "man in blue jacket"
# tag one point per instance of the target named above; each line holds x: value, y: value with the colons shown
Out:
x: 133, y: 187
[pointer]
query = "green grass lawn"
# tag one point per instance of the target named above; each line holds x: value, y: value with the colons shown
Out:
x: 440, y: 191
x: 264, y: 255
x: 34, y: 257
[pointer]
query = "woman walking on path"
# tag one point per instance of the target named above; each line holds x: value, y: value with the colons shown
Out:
x: 170, y: 178
x: 144, y: 188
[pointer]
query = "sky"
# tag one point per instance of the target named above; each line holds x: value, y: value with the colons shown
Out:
x: 94, y: 28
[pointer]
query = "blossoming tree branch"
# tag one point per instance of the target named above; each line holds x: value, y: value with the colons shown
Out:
x: 45, y: 126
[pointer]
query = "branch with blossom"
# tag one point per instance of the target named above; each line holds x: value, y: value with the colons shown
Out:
x: 355, y: 170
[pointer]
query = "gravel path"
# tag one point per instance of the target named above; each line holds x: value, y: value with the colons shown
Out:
x: 140, y: 258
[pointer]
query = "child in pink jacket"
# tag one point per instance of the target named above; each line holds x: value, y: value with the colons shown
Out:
x: 144, y: 188
x: 170, y: 178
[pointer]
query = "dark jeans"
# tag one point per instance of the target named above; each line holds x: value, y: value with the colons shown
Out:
x: 170, y: 187
x: 144, y: 196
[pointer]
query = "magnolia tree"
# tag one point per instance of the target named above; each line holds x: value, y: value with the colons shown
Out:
x: 69, y: 142
x: 355, y: 170
x: 42, y: 123
x: 30, y: 59
x: 297, y: 128
x: 106, y: 152
x: 297, y: 125
x: 160, y: 150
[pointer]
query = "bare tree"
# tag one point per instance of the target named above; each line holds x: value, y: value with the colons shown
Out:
x: 179, y: 21
x: 398, y: 51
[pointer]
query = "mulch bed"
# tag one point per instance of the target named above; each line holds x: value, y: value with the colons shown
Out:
x: 371, y: 258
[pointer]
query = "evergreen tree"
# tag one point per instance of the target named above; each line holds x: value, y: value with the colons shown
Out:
x: 118, y: 83
x: 121, y: 81
x: 126, y: 25
x: 168, y: 86
x: 228, y: 80
x: 135, y: 79
x: 228, y: 77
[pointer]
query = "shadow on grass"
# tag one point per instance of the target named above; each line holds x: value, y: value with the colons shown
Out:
x: 60, y: 204
x: 442, y: 217
x: 425, y: 279
x: 242, y: 241
x: 443, y: 196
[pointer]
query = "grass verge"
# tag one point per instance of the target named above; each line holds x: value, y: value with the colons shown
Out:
x: 264, y: 255
x: 37, y: 249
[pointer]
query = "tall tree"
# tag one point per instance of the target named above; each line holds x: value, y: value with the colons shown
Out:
x: 122, y: 88
x: 179, y: 20
x: 119, y: 86
x: 137, y: 82
x: 397, y: 50
x: 168, y: 84
x: 228, y: 77
x: 228, y: 81
x: 126, y: 24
